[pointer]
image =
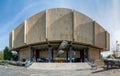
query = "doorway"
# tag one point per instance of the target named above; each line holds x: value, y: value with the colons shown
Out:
x: 36, y: 54
x: 82, y: 56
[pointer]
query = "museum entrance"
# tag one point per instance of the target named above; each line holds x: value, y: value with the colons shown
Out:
x: 59, y: 52
x: 81, y: 55
x: 53, y: 54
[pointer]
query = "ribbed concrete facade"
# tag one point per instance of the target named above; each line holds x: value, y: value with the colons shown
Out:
x: 58, y: 24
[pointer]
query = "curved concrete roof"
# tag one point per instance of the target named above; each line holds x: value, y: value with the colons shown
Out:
x: 59, y: 24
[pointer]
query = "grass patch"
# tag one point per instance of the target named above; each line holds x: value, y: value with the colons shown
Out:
x: 3, y: 62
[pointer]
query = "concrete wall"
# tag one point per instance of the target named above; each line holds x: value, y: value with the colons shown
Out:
x: 19, y: 36
x: 100, y: 38
x: 95, y: 57
x: 94, y: 54
x: 107, y: 41
x: 83, y: 28
x: 35, y: 27
x: 59, y: 24
x: 43, y: 53
x: 24, y: 53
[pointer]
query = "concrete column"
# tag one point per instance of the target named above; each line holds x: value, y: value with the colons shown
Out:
x: 71, y: 54
x: 73, y: 24
x: 46, y: 26
x: 49, y: 53
x: 31, y: 54
x: 34, y: 56
x: 80, y: 56
x: 52, y: 54
x: 18, y: 55
x: 87, y: 53
x: 12, y: 38
x: 67, y: 55
x: 93, y: 32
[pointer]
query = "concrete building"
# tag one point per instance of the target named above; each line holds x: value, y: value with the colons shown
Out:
x: 42, y: 35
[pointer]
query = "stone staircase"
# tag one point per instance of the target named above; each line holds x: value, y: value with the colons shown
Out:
x: 60, y: 66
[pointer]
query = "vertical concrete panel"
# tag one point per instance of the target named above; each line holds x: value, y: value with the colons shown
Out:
x: 10, y: 40
x: 36, y: 28
x: 19, y: 36
x: 83, y: 28
x: 107, y: 41
x: 94, y: 54
x: 100, y: 37
x: 97, y: 54
x: 59, y: 24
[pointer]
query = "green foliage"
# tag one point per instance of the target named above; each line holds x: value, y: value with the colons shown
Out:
x: 3, y: 62
x: 7, y: 53
x: 15, y: 57
x: 1, y: 55
x: 109, y: 56
x: 113, y: 56
x: 101, y: 56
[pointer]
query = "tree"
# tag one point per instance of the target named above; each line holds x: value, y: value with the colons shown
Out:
x: 14, y: 56
x: 1, y: 55
x: 7, y: 53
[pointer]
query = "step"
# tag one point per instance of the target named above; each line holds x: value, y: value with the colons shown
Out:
x: 59, y: 66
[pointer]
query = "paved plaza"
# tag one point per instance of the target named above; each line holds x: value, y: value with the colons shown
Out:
x: 10, y: 70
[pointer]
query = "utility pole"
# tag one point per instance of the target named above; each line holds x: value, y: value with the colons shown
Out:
x: 116, y: 48
x: 116, y: 45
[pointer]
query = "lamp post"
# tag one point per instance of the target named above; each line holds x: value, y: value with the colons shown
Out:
x: 116, y: 48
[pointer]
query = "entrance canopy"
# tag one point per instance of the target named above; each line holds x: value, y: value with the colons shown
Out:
x: 56, y: 45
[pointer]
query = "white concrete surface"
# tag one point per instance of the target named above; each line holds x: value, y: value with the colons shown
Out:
x: 60, y: 66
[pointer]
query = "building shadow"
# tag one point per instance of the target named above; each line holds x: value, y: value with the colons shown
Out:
x: 104, y: 69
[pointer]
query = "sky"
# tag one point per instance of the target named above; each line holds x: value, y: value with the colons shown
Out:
x: 104, y: 12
